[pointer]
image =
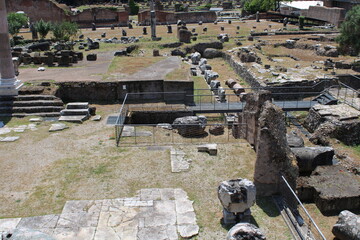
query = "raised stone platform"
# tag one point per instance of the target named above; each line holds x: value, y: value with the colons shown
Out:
x: 165, y: 214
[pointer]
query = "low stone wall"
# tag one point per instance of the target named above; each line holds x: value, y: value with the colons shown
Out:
x: 116, y: 91
x: 101, y: 17
x: 242, y: 71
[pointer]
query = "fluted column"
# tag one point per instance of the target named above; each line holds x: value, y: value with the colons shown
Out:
x: 9, y: 85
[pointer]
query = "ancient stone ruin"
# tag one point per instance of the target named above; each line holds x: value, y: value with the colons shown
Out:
x: 236, y: 197
x: 261, y: 124
x: 190, y: 126
x: 244, y: 231
x: 347, y: 226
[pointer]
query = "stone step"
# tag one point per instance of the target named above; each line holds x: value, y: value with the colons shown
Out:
x: 77, y: 105
x: 73, y: 112
x: 28, y: 98
x: 31, y: 109
x: 75, y: 119
x: 31, y: 103
x: 39, y: 114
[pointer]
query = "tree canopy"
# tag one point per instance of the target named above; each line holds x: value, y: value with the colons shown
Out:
x: 43, y: 28
x: 16, y: 21
x: 350, y: 32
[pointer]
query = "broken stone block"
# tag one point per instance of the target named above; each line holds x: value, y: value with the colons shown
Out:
x: 242, y: 231
x: 190, y: 126
x: 347, y: 226
x: 237, y: 195
x: 216, y: 129
x: 57, y: 127
x: 294, y: 140
x: 96, y: 118
x: 195, y: 58
x: 9, y: 139
x: 209, y: 148
x: 308, y: 158
x: 91, y: 57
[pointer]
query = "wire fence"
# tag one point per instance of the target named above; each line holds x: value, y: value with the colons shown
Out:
x: 300, y: 219
x: 168, y: 134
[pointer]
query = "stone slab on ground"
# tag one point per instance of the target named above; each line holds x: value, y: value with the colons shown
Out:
x: 57, y: 127
x: 35, y: 119
x: 153, y: 214
x: 4, y: 130
x: 9, y: 139
x: 74, y: 119
x: 96, y: 118
x: 179, y: 163
x: 210, y: 148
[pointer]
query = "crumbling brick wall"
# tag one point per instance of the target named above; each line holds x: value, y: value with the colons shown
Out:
x: 332, y: 15
x: 40, y: 9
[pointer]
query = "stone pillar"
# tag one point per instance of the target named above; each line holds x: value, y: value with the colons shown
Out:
x: 9, y: 85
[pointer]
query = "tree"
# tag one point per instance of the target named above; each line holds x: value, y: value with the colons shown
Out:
x: 253, y: 6
x: 16, y: 21
x: 64, y: 30
x: 134, y: 8
x: 43, y: 28
x: 350, y: 31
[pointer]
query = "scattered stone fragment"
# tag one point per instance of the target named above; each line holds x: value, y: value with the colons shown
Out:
x: 210, y: 148
x: 96, y: 118
x: 41, y: 69
x: 294, y: 140
x: 4, y: 130
x: 164, y: 125
x: 57, y: 127
x: 36, y: 120
x: 179, y: 163
x: 9, y: 139
x: 242, y: 231
x: 217, y: 129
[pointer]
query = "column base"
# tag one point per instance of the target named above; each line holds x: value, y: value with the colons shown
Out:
x: 10, y: 87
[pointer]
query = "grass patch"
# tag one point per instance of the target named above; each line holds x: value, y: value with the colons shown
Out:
x: 131, y: 65
x: 181, y: 73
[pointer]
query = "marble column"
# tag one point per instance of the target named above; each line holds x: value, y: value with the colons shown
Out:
x: 153, y: 21
x: 9, y: 85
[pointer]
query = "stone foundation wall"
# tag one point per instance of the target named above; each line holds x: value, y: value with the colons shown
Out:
x: 116, y: 91
x: 153, y: 117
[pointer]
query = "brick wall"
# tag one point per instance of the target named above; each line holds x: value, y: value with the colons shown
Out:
x: 100, y: 16
x: 332, y: 15
x: 163, y: 17
x: 39, y: 9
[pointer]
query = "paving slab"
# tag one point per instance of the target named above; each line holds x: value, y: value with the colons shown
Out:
x: 82, y: 206
x: 7, y: 224
x: 84, y: 233
x: 179, y: 163
x: 38, y: 222
x: 57, y: 127
x: 78, y: 220
x: 9, y: 139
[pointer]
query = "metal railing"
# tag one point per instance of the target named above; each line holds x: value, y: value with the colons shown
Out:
x: 301, y: 221
x: 345, y: 94
x: 160, y: 134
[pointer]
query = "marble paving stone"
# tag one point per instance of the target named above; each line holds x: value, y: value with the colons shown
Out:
x: 78, y: 220
x: 188, y: 230
x: 166, y: 232
x: 9, y: 223
x: 167, y: 194
x: 30, y: 234
x: 38, y: 222
x: 4, y: 130
x: 84, y: 233
x: 82, y: 206
x: 186, y: 218
x: 106, y: 233
x: 180, y: 194
x: 9, y: 139
x: 184, y: 206
x: 112, y: 205
x: 150, y: 194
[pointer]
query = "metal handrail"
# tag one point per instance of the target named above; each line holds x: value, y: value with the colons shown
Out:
x: 302, y: 206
